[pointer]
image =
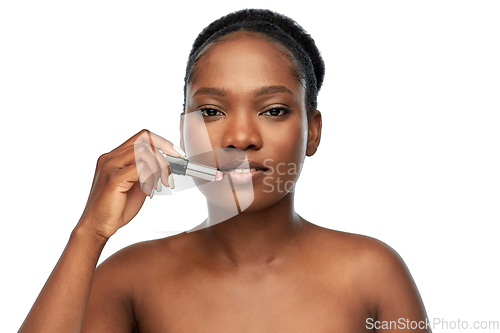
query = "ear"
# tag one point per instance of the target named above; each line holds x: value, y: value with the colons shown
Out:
x: 182, y: 132
x: 314, y: 134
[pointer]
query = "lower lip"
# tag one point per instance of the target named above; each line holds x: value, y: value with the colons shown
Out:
x: 243, y: 178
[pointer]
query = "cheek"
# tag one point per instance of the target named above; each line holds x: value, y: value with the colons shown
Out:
x: 195, y: 134
x: 286, y: 154
x: 289, y: 143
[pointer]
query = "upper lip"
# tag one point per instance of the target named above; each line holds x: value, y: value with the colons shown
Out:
x: 240, y: 164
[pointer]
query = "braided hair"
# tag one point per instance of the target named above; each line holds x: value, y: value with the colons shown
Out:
x: 277, y: 28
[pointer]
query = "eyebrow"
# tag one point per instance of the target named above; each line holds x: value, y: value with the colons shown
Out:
x: 268, y: 90
x: 210, y: 91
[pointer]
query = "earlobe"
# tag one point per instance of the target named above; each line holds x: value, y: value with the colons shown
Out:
x: 314, y: 133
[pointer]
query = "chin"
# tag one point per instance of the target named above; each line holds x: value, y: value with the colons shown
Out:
x: 263, y: 200
x: 233, y: 198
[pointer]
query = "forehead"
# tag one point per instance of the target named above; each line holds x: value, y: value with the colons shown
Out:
x: 245, y: 60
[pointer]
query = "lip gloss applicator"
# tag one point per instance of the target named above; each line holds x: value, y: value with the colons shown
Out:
x: 184, y: 167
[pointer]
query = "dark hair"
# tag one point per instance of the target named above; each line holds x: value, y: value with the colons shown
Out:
x: 277, y: 27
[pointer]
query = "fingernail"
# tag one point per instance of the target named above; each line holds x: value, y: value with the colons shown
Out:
x: 218, y: 176
x: 158, y: 186
x: 179, y: 150
x: 171, y: 181
x: 152, y: 193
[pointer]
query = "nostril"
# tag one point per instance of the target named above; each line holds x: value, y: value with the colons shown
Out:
x: 248, y: 147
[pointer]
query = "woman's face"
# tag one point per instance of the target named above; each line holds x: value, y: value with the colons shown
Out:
x: 248, y: 93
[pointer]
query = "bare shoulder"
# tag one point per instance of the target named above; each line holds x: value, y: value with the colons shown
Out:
x: 367, y: 252
x: 367, y: 259
x: 372, y: 255
x: 375, y: 271
x: 118, y: 281
x: 143, y: 256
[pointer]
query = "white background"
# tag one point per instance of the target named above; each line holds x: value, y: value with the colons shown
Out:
x: 409, y: 151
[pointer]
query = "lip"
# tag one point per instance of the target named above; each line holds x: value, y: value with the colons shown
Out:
x: 235, y: 164
x: 242, y: 177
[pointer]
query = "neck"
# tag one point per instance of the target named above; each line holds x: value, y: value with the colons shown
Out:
x: 254, y: 238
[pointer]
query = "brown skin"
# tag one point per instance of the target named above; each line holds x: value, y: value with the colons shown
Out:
x: 264, y: 270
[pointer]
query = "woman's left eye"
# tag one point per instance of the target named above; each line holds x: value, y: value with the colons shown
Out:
x: 275, y: 112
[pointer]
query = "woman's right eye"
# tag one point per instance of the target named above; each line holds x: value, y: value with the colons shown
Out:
x: 208, y: 112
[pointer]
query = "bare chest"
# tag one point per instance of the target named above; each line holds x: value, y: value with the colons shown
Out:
x: 250, y: 304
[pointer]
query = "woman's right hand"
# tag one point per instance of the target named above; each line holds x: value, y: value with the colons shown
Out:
x: 123, y: 179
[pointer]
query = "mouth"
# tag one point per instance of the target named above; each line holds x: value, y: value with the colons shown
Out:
x: 242, y: 171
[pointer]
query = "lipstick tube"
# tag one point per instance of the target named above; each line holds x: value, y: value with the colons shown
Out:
x: 184, y: 167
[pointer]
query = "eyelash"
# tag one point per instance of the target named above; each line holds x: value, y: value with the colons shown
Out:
x: 283, y: 111
x: 205, y: 109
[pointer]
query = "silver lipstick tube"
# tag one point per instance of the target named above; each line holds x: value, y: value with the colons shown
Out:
x: 184, y: 167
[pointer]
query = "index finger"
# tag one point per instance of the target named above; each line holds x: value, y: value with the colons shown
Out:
x: 159, y: 142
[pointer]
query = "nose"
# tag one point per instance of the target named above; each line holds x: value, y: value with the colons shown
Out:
x: 242, y: 131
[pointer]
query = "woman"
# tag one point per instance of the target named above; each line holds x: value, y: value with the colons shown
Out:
x: 252, y: 78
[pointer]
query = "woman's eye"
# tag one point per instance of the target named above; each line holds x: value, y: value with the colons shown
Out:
x: 275, y: 112
x: 211, y: 112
